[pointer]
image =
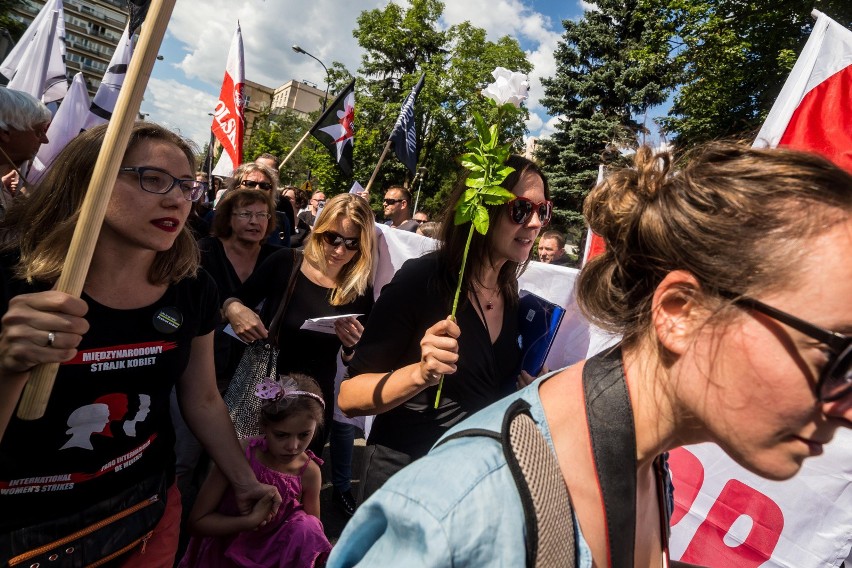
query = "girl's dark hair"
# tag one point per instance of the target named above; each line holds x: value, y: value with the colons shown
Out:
x: 277, y: 410
x: 734, y: 217
x: 453, y: 237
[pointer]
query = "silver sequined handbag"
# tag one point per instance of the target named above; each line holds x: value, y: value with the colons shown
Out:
x: 258, y: 362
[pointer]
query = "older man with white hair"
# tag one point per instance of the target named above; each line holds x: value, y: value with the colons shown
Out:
x: 23, y: 129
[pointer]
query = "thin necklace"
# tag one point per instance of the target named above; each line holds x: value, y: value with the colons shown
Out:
x: 489, y: 302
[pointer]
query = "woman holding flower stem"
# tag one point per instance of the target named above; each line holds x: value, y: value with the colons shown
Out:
x: 409, y: 343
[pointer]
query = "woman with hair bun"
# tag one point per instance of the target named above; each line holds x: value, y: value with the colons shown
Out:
x: 728, y: 282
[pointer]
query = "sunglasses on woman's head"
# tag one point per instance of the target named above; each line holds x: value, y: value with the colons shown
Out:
x: 335, y: 240
x: 250, y: 183
x: 521, y: 209
x: 835, y: 380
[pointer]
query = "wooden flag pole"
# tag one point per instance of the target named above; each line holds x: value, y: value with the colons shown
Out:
x: 37, y: 390
x: 293, y: 151
x: 379, y: 165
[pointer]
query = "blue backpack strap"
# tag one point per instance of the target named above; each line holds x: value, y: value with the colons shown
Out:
x: 548, y: 515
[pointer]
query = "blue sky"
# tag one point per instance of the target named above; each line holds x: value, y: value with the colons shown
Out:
x: 184, y: 86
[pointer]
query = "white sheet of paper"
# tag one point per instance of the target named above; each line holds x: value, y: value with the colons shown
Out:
x: 230, y: 331
x: 326, y: 324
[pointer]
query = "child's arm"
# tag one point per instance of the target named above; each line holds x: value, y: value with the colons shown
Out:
x: 205, y: 520
x: 311, y: 484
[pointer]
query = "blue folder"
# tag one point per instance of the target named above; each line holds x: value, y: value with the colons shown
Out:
x: 538, y: 322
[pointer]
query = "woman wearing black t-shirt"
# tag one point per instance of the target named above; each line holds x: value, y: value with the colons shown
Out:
x: 143, y: 325
x: 333, y: 280
x: 244, y: 219
x: 410, y: 342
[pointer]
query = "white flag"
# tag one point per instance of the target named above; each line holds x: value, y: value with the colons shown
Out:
x: 104, y: 102
x: 36, y: 65
x: 65, y: 126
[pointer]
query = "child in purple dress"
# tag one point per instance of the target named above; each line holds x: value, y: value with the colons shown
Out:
x: 292, y: 410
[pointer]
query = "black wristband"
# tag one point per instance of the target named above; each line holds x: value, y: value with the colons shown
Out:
x: 348, y: 351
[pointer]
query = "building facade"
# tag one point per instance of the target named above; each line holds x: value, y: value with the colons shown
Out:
x: 258, y: 99
x: 92, y: 30
x: 298, y: 97
x: 292, y: 96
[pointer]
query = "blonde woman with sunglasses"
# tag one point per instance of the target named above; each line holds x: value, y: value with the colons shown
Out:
x: 333, y: 280
x: 410, y: 343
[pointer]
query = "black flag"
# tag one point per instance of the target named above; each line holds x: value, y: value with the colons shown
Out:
x: 404, y: 134
x: 334, y: 128
x: 138, y: 11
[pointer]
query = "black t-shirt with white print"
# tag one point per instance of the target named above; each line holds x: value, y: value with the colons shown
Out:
x: 107, y: 424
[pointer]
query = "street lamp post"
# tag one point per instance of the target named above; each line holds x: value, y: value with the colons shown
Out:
x: 298, y: 49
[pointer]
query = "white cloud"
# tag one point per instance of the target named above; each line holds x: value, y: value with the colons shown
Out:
x: 180, y: 108
x: 269, y: 29
x: 549, y: 127
x: 534, y: 124
x: 588, y: 6
x: 183, y: 89
x: 514, y: 18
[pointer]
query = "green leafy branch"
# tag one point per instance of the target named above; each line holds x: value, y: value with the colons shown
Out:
x: 486, y: 164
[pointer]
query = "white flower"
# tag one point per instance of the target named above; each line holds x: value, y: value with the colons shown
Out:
x: 508, y: 87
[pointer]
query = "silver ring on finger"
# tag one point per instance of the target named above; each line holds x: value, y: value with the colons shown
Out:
x: 51, y: 337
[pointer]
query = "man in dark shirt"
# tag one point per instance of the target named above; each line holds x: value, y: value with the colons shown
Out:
x: 315, y: 205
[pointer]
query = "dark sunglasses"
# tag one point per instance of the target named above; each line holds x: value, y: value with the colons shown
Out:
x: 392, y: 201
x: 265, y: 185
x: 521, y: 209
x: 835, y: 380
x: 335, y: 240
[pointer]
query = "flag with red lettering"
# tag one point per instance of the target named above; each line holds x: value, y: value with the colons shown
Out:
x: 814, y: 109
x: 228, y: 119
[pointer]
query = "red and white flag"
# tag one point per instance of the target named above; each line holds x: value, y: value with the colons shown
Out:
x: 228, y: 119
x: 813, y: 112
x: 594, y: 243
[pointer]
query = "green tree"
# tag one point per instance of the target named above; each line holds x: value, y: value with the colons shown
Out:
x: 14, y: 27
x: 597, y: 92
x: 730, y: 57
x: 277, y: 133
x: 399, y: 45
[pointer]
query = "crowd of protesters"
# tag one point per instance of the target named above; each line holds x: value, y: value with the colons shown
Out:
x: 186, y: 273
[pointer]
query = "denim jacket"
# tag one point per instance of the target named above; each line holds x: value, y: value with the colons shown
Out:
x: 457, y: 506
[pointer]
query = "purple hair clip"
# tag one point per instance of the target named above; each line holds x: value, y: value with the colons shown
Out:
x: 272, y: 389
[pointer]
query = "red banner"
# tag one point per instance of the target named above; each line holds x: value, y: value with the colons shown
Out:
x: 228, y: 118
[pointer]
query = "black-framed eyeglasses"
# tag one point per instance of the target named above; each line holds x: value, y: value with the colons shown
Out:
x: 392, y: 201
x: 521, y: 209
x: 835, y: 380
x: 335, y: 240
x: 250, y: 183
x: 155, y: 180
x: 247, y: 215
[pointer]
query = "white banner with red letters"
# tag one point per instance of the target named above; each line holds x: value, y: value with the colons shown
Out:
x: 228, y: 119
